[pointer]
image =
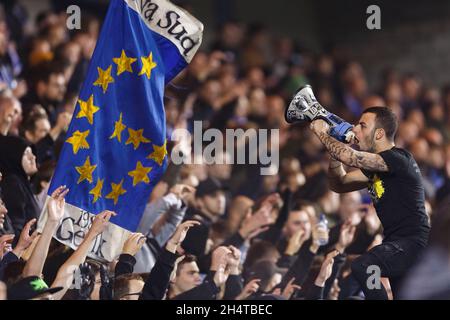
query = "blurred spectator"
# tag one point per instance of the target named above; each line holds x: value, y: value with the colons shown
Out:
x: 8, y: 108
x: 18, y: 164
x: 48, y: 89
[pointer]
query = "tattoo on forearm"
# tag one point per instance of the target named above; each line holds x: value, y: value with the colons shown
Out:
x: 335, y: 164
x: 350, y: 157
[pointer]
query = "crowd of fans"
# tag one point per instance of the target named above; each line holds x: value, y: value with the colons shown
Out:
x: 217, y: 231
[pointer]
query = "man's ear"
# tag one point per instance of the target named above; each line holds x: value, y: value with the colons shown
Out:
x: 379, y: 133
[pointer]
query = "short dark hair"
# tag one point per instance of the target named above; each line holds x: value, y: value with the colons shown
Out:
x: 30, y: 120
x: 259, y: 250
x: 122, y: 284
x: 188, y: 258
x: 45, y: 173
x: 385, y: 119
x: 43, y: 72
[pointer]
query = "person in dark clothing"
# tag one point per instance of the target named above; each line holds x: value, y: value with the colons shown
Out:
x: 48, y: 87
x: 18, y: 164
x: 210, y: 207
x: 37, y: 130
x: 5, y: 222
x: 157, y: 283
x: 328, y: 271
x: 127, y: 261
x: 24, y: 241
x: 210, y: 200
x: 223, y: 258
x: 205, y: 104
x: 186, y: 277
x: 303, y: 265
x: 364, y: 217
x: 275, y: 232
x: 8, y: 109
x: 268, y: 273
x: 395, y: 184
x: 128, y: 286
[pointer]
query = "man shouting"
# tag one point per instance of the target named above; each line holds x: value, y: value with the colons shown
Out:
x: 394, y: 182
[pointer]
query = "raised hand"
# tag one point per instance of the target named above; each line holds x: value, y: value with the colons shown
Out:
x: 55, y: 205
x: 250, y: 288
x: 346, y: 236
x: 326, y: 269
x: 221, y: 275
x: 63, y: 120
x: 100, y: 222
x: 295, y: 242
x: 220, y: 256
x: 254, y: 224
x: 62, y: 123
x: 318, y: 126
x: 133, y: 244
x: 25, y: 239
x: 5, y: 243
x: 273, y: 199
x: 290, y: 289
x: 180, y: 234
x: 234, y: 260
x: 182, y: 191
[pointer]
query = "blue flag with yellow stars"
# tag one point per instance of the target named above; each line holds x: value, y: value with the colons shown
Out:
x: 115, y: 149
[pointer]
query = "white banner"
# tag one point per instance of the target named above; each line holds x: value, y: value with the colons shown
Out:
x: 74, y: 226
x: 172, y: 22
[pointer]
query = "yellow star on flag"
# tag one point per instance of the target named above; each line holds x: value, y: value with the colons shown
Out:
x: 104, y: 78
x: 97, y: 190
x: 116, y: 191
x: 136, y: 137
x: 78, y: 140
x: 147, y: 65
x: 87, y: 109
x: 159, y: 153
x: 140, y: 174
x: 124, y: 63
x: 118, y: 128
x: 86, y: 171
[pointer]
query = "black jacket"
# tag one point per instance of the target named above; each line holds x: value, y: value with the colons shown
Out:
x: 158, y: 280
x: 16, y: 188
x: 300, y: 268
x: 206, y: 291
x: 7, y: 259
x: 125, y: 265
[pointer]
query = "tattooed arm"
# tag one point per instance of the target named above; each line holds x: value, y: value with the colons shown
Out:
x: 340, y: 181
x: 345, y: 154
